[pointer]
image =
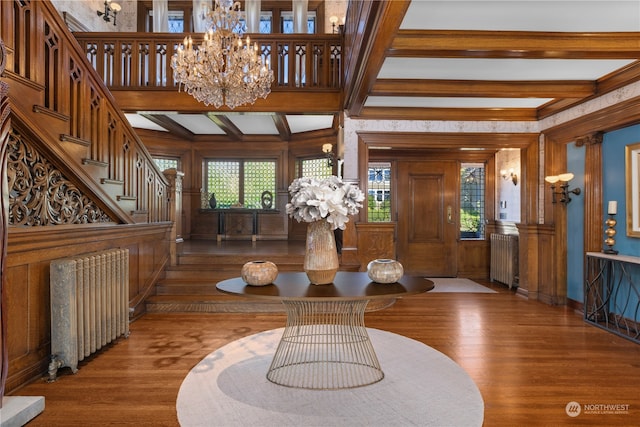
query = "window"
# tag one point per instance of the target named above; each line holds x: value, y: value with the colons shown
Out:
x: 379, y: 192
x: 314, y: 168
x: 166, y: 163
x: 286, y: 22
x: 472, y: 186
x: 266, y: 23
x: 239, y: 182
x: 176, y: 21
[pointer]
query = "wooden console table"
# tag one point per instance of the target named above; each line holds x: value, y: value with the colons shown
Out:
x: 224, y: 212
x: 612, y: 293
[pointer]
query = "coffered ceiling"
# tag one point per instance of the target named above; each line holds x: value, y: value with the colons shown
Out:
x: 510, y: 60
x: 459, y: 60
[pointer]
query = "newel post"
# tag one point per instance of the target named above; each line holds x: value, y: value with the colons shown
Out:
x: 175, y: 211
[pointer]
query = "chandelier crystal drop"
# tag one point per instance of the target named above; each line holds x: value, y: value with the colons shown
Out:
x: 223, y: 70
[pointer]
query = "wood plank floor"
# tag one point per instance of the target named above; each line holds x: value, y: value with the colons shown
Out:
x: 528, y: 359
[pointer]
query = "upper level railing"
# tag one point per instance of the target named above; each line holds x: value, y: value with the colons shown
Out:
x: 143, y: 60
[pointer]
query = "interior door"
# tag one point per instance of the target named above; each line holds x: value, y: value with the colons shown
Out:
x: 427, y: 197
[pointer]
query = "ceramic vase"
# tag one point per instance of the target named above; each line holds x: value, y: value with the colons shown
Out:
x: 321, y: 256
x: 259, y: 273
x: 385, y: 270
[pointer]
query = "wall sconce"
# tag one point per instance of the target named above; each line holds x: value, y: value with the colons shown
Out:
x: 335, y: 27
x: 327, y: 149
x: 564, y: 192
x: 334, y: 23
x: 111, y: 10
x: 510, y: 175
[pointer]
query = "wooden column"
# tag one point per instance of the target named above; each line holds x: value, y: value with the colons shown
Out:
x: 528, y: 229
x: 553, y: 240
x: 593, y: 215
x: 175, y: 211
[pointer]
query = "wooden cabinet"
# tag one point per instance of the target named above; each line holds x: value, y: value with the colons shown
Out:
x: 240, y: 224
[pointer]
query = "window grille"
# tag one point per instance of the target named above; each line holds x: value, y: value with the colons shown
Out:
x: 314, y: 168
x: 472, y: 200
x: 379, y: 192
x: 259, y: 176
x: 239, y: 182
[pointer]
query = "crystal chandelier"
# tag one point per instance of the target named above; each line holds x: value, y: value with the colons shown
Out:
x: 223, y: 69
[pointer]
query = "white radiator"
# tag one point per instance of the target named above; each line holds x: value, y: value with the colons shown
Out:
x: 89, y: 305
x: 504, y: 258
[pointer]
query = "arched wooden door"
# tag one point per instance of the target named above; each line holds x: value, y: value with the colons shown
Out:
x: 428, y: 217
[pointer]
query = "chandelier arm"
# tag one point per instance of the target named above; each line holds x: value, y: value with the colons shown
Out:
x: 222, y: 70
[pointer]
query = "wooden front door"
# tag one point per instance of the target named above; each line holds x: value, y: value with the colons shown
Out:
x: 428, y: 217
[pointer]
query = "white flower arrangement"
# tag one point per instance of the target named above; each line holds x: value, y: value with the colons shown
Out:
x: 329, y: 198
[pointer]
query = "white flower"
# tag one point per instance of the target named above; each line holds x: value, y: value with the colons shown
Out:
x: 330, y: 199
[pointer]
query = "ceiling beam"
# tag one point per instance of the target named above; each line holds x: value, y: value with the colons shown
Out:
x: 482, y: 88
x: 455, y: 114
x: 280, y: 120
x: 280, y: 101
x: 374, y: 32
x: 168, y: 124
x: 223, y: 122
x: 515, y: 44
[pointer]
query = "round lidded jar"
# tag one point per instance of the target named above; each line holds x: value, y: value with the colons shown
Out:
x: 385, y: 270
x: 259, y: 273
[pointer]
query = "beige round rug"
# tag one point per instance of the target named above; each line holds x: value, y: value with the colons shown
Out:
x: 421, y: 387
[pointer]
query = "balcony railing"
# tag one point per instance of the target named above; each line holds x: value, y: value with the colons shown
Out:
x: 143, y: 60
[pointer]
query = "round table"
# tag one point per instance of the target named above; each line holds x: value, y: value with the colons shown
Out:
x: 325, y: 344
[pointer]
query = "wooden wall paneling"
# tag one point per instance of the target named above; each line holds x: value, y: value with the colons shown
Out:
x: 30, y: 252
x: 375, y: 240
x: 271, y: 226
x: 552, y: 267
x: 205, y: 224
x: 529, y: 260
x: 529, y: 181
x: 474, y: 257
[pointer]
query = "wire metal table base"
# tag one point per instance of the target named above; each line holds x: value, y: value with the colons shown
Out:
x: 325, y: 345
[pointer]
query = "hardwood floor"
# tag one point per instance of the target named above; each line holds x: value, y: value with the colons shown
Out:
x: 528, y: 359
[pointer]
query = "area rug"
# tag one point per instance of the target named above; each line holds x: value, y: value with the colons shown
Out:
x: 421, y: 387
x: 443, y: 284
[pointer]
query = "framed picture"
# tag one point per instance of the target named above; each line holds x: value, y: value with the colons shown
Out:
x: 632, y: 178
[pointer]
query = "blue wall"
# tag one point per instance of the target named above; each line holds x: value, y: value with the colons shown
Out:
x: 575, y: 224
x: 613, y: 183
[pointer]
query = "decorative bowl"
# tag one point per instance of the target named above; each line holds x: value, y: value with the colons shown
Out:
x: 259, y: 273
x: 385, y: 270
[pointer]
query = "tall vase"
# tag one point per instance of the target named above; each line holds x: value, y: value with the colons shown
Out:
x: 321, y: 257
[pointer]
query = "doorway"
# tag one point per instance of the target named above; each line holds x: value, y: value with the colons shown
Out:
x: 428, y: 217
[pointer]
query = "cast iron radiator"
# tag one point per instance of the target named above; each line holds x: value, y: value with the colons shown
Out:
x: 504, y: 259
x: 89, y: 305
